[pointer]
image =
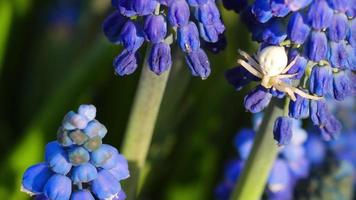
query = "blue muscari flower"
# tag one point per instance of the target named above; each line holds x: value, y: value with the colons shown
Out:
x: 342, y: 86
x: 320, y: 15
x: 317, y: 46
x: 339, y: 27
x: 257, y: 99
x: 338, y: 55
x: 279, y: 177
x: 315, y: 149
x: 78, y: 166
x: 299, y: 67
x: 299, y: 109
x: 297, y: 29
x: 159, y: 59
x: 261, y: 9
x: 123, y: 27
x: 282, y: 130
x: 320, y: 80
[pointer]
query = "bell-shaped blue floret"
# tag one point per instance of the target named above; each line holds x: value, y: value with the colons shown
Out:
x: 279, y: 8
x: 58, y: 187
x: 339, y: 27
x: 131, y: 36
x: 83, y: 173
x: 257, y: 99
x: 78, y: 155
x: 208, y: 13
x: 112, y: 26
x: 188, y: 37
x: 261, y: 9
x: 331, y: 128
x: 105, y: 156
x: 178, y: 13
x: 35, y: 178
x: 121, y: 169
x: 125, y: 63
x: 82, y: 195
x: 155, y: 28
x: 297, y: 28
x: 198, y: 63
x: 315, y: 149
x: 342, y: 86
x: 295, y: 5
x: 88, y: 111
x: 338, y: 55
x: 105, y: 186
x: 299, y: 109
x: 73, y: 121
x: 319, y: 112
x: 57, y: 158
x: 320, y: 81
x: 144, y: 7
x: 239, y: 77
x: 317, y: 46
x: 160, y: 59
x: 299, y: 66
x: 320, y: 15
x: 198, y: 2
x: 279, y: 177
x: 282, y: 130
x: 95, y: 128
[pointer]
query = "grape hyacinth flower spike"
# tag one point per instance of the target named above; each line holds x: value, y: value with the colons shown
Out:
x: 78, y: 166
x: 161, y: 23
x: 316, y: 38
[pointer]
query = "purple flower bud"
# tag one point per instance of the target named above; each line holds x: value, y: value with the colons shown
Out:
x: 73, y: 121
x: 300, y: 65
x: 78, y: 155
x: 295, y: 5
x: 104, y: 156
x: 63, y: 137
x: 210, y: 33
x: 93, y: 143
x: 198, y: 63
x: 352, y: 34
x: 339, y: 27
x: 243, y: 142
x: 198, y: 2
x: 125, y: 63
x: 112, y: 26
x: 257, y: 99
x: 144, y: 7
x: 297, y: 29
x: 105, y: 186
x: 178, y: 13
x: 124, y: 6
x: 315, y: 149
x: 35, y: 178
x: 121, y: 169
x: 319, y: 112
x: 339, y: 5
x: 299, y: 109
x: 57, y: 158
x: 279, y: 8
x: 320, y: 80
x: 273, y: 32
x: 261, y: 9
x: 95, y: 128
x: 88, y: 111
x: 78, y: 137
x: 58, y: 187
x: 342, y: 86
x: 338, y: 55
x: 188, y: 37
x: 82, y: 195
x: 320, y: 15
x: 235, y: 5
x: 282, y: 130
x: 84, y: 173
x: 208, y: 13
x: 239, y: 77
x: 155, y: 28
x: 131, y: 36
x: 317, y: 47
x: 160, y: 58
x: 279, y: 176
x: 331, y: 128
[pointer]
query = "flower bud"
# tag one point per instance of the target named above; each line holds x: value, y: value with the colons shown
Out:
x: 299, y: 66
x: 124, y: 6
x: 131, y: 36
x: 160, y: 59
x: 178, y: 13
x: 35, y: 178
x: 93, y: 143
x: 104, y: 156
x: 339, y: 5
x: 73, y: 121
x: 144, y: 7
x: 339, y: 27
x: 282, y: 130
x: 261, y: 9
x: 279, y: 8
x: 257, y: 99
x: 112, y: 26
x: 352, y: 34
x: 84, y: 173
x: 58, y: 187
x: 351, y: 58
x: 155, y: 28
x: 198, y: 63
x: 125, y: 63
x: 63, y: 137
x: 88, y: 111
x: 188, y: 37
x: 208, y: 13
x: 297, y: 29
x: 319, y: 112
x: 273, y: 32
x: 320, y: 15
x: 331, y: 128
x: 320, y: 81
x: 105, y: 186
x: 342, y: 86
x: 81, y: 195
x: 95, y: 128
x: 299, y: 109
x: 317, y: 46
x: 78, y: 137
x: 78, y: 155
x: 210, y: 33
x: 121, y: 169
x: 57, y: 158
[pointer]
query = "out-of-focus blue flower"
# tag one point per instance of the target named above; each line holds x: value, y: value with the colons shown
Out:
x: 124, y: 27
x: 70, y: 167
x: 282, y: 130
x: 257, y: 99
x: 315, y: 149
x: 243, y: 142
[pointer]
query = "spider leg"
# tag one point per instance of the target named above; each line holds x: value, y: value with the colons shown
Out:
x: 290, y: 65
x: 250, y: 60
x: 249, y: 68
x: 286, y: 76
x: 305, y: 95
x: 287, y: 89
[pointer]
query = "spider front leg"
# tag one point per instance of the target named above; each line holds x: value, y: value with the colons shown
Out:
x: 250, y: 60
x: 287, y: 89
x: 305, y: 95
x: 290, y: 65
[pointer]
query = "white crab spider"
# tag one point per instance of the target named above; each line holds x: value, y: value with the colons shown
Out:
x: 271, y: 67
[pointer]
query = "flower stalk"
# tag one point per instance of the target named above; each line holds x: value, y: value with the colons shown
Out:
x: 141, y: 123
x: 252, y: 182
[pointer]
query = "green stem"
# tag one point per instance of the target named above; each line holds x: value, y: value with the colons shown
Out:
x: 252, y: 182
x: 6, y: 15
x: 141, y: 124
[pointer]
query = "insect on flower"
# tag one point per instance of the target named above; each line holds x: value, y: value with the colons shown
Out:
x: 271, y: 66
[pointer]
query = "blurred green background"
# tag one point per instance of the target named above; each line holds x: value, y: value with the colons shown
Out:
x: 53, y: 57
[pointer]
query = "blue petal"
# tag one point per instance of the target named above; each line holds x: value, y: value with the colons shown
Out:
x: 198, y: 63
x: 88, y: 111
x: 257, y: 99
x: 299, y: 66
x: 273, y: 32
x: 299, y: 109
x: 73, y: 121
x: 95, y: 128
x: 178, y: 13
x: 105, y: 186
x: 78, y: 155
x: 320, y: 81
x: 155, y: 28
x: 320, y: 15
x: 295, y: 5
x: 160, y: 59
x: 188, y: 37
x: 144, y: 7
x: 352, y: 34
x: 297, y: 29
x: 331, y: 128
x: 120, y: 196
x: 125, y: 63
x: 57, y: 158
x: 84, y: 173
x: 131, y: 36
x: 317, y: 47
x: 339, y: 5
x: 197, y: 2
x: 261, y: 9
x: 339, y: 27
x: 105, y: 156
x: 58, y: 187
x: 121, y: 169
x: 82, y: 195
x: 319, y: 112
x: 282, y: 130
x: 279, y: 8
x: 112, y: 26
x: 208, y: 13
x: 338, y: 55
x: 35, y: 178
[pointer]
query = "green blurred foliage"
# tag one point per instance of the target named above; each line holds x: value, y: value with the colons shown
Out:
x: 51, y: 68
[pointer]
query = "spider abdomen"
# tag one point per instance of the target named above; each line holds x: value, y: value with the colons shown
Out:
x: 273, y: 60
